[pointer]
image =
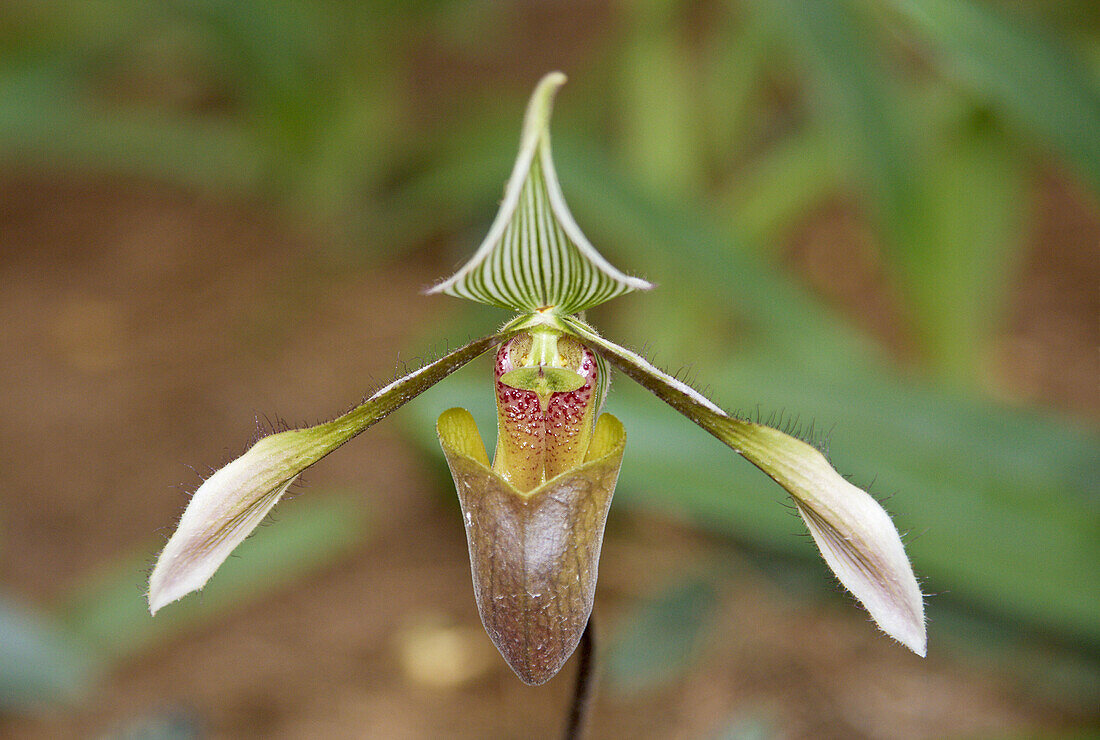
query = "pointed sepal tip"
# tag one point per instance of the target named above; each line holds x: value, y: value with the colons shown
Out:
x: 535, y: 259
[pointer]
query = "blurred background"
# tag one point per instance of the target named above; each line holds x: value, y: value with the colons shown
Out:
x: 873, y: 222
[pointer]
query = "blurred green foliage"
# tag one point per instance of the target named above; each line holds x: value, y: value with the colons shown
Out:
x: 57, y: 657
x: 928, y: 111
x: 693, y: 138
x: 660, y: 639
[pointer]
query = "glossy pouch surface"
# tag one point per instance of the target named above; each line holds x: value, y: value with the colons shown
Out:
x: 533, y: 555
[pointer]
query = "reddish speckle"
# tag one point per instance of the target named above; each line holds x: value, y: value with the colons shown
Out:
x: 535, y: 445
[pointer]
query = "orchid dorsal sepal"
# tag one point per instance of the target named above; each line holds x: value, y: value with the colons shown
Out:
x: 235, y: 499
x: 535, y: 257
x: 853, y: 532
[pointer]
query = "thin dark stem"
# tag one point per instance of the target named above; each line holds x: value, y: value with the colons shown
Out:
x: 582, y: 690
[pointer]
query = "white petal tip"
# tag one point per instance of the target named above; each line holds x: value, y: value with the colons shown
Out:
x: 911, y: 635
x: 861, y: 545
x: 223, y: 511
x: 918, y: 646
x: 156, y: 603
x: 161, y: 596
x: 171, y: 582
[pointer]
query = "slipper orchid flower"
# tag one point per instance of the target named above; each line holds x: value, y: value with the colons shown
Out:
x: 535, y: 515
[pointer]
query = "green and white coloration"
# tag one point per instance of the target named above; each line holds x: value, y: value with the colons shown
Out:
x: 535, y: 258
x: 535, y: 517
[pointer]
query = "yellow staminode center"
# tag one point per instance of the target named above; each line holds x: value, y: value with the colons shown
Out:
x: 545, y: 363
x: 545, y: 388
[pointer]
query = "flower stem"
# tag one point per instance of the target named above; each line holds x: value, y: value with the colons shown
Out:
x: 583, y: 688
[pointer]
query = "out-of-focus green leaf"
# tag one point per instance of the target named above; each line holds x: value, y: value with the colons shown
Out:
x: 777, y: 189
x: 951, y: 218
x: 275, y: 50
x: 657, y: 642
x: 659, y: 135
x: 682, y: 240
x: 972, y: 231
x: 736, y: 58
x: 42, y: 121
x: 328, y: 126
x: 171, y: 723
x: 306, y: 119
x: 40, y: 663
x: 1019, y: 71
x: 1062, y: 675
x: 751, y: 725
x: 858, y: 101
x: 352, y: 152
x: 471, y: 160
x: 110, y: 612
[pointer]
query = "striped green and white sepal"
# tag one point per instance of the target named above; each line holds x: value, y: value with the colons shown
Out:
x: 535, y: 258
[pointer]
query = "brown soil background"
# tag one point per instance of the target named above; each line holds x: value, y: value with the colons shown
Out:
x: 144, y: 330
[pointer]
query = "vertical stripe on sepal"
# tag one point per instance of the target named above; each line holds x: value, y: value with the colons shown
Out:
x: 535, y: 257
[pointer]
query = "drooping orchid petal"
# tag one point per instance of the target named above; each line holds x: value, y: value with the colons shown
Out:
x: 233, y: 501
x: 534, y: 554
x: 855, y: 535
x: 535, y: 257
